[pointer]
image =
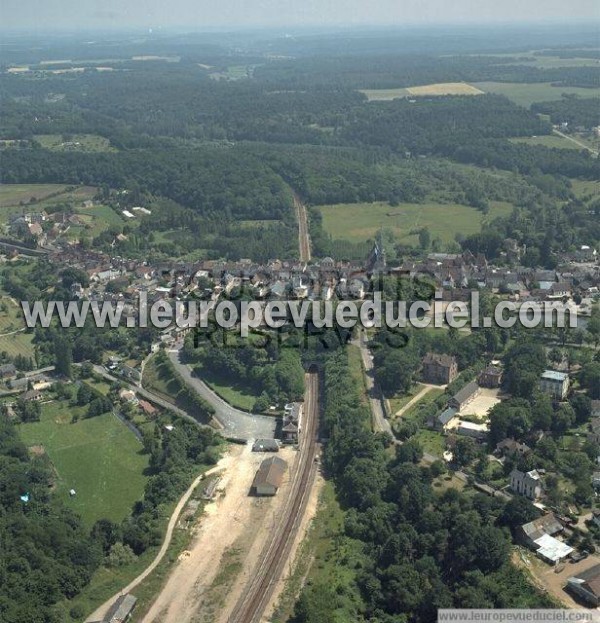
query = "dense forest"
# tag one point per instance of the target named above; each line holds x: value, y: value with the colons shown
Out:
x: 207, y: 153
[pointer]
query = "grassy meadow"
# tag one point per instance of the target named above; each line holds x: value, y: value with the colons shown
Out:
x: 98, y: 457
x: 359, y: 222
x: 526, y: 94
x: 76, y: 142
x: 551, y: 140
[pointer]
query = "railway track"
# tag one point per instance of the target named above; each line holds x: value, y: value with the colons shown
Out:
x: 303, y: 237
x: 257, y: 594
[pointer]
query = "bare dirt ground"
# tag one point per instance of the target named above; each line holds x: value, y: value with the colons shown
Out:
x: 481, y: 404
x: 548, y: 580
x: 230, y: 535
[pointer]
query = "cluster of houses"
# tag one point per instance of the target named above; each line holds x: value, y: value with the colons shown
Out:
x: 454, y: 274
x: 442, y: 369
x: 43, y: 227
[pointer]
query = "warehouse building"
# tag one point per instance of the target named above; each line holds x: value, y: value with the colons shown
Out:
x: 265, y: 445
x: 269, y: 476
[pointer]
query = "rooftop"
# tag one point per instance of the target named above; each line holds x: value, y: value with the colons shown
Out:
x: 554, y: 375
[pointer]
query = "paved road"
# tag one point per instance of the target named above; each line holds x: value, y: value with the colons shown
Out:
x: 156, y: 399
x: 380, y: 422
x: 235, y: 423
x: 100, y: 612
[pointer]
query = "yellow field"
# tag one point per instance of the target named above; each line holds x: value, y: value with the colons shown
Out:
x: 445, y: 88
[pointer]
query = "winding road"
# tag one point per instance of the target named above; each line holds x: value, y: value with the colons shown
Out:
x: 100, y: 612
x: 235, y: 423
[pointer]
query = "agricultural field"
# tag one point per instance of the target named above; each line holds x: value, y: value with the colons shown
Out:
x: 547, y: 62
x: 76, y: 142
x: 526, y: 94
x: 444, y: 88
x: 98, y: 457
x: 359, y: 222
x: 19, y: 198
x: 15, y: 194
x: 13, y: 339
x: 17, y: 344
x: 98, y: 218
x: 550, y: 140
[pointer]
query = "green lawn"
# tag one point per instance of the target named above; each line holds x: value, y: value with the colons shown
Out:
x: 431, y: 441
x: 526, y: 94
x: 551, y: 140
x: 239, y: 395
x: 358, y: 222
x: 357, y: 372
x: 400, y: 400
x: 98, y: 457
x: 428, y: 398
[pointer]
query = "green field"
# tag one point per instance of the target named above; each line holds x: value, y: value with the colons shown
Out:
x: 358, y: 222
x: 526, y: 94
x: 551, y: 140
x: 99, y: 218
x: 98, y: 457
x: 80, y: 142
x: 583, y: 188
x: 17, y: 344
x: 13, y: 194
x: 238, y: 395
x: 377, y: 95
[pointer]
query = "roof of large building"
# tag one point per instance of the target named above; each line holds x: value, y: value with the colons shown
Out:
x: 589, y: 579
x: 446, y: 415
x: 441, y: 360
x: 466, y: 392
x: 551, y: 548
x: 548, y: 524
x: 265, y: 445
x: 270, y: 472
x: 120, y: 610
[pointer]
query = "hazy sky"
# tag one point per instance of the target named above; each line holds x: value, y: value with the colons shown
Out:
x: 199, y: 14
